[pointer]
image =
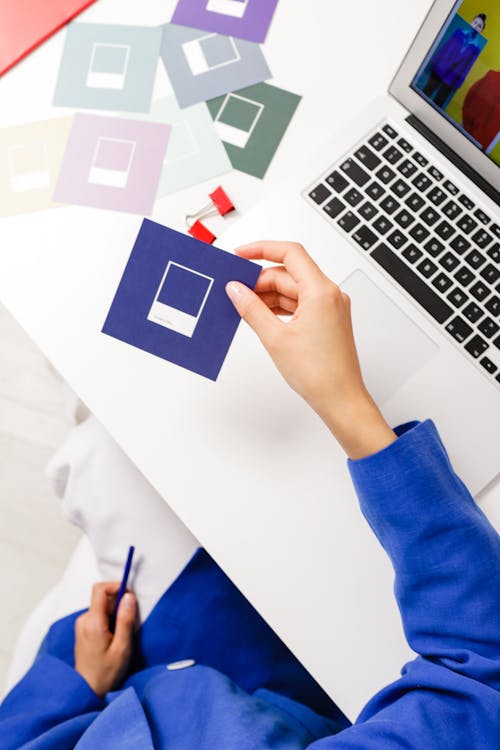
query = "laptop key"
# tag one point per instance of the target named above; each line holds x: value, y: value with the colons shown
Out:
x: 452, y: 210
x: 488, y: 365
x: 475, y: 259
x: 422, y: 182
x: 476, y: 346
x: 382, y: 224
x: 497, y: 342
x: 378, y: 141
x: 355, y: 172
x: 320, y: 194
x: 421, y: 160
x: 444, y: 230
x: 427, y: 268
x: 482, y: 239
x: 495, y: 228
x: 400, y: 188
x: 493, y: 306
x: 415, y: 202
x: 353, y: 197
x: 365, y: 237
x: 388, y: 130
x: 397, y: 239
x: 407, y: 168
x: 412, y: 253
x: 494, y: 252
x: 337, y: 181
x: 367, y: 158
x: 472, y: 312
x: 483, y: 218
x: 436, y: 174
x: 411, y: 283
x: 457, y: 297
x: 449, y: 261
x: 404, y: 219
x: 442, y: 282
x: 450, y: 187
x: 419, y: 233
x: 436, y: 196
x: 480, y: 291
x: 348, y: 221
x: 386, y: 175
x: 464, y: 276
x: 469, y: 205
x: 490, y: 273
x: 375, y: 190
x: 460, y: 244
x: 429, y: 216
x: 389, y: 205
x: 467, y: 224
x: 392, y: 155
x: 459, y: 329
x: 407, y: 147
x: 488, y: 328
x: 334, y: 208
x: 368, y: 210
x: 434, y: 247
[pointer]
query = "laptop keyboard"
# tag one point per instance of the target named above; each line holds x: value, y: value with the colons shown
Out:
x: 429, y: 236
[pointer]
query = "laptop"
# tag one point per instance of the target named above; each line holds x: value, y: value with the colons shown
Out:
x: 401, y: 209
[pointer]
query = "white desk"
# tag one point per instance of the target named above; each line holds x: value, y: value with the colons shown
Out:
x: 243, y: 462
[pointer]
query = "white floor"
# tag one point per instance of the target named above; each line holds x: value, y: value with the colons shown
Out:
x: 35, y: 541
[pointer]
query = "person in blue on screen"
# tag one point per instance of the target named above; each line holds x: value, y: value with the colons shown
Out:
x: 453, y: 60
x: 236, y: 686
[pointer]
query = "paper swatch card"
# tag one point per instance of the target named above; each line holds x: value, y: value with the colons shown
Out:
x: 30, y: 160
x: 171, y: 300
x: 245, y: 19
x: 112, y: 163
x: 195, y: 152
x: 108, y: 67
x: 251, y: 123
x: 202, y: 65
x: 24, y: 24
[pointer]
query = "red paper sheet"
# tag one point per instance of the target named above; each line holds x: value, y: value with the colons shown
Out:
x: 24, y: 24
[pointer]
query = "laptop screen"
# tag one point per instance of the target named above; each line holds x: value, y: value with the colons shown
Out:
x: 460, y: 76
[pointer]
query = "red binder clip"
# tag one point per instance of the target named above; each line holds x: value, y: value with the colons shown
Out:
x: 220, y: 205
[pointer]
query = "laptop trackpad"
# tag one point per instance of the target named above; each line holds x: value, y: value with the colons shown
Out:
x: 392, y: 348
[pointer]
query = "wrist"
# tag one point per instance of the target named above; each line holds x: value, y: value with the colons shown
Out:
x: 359, y: 426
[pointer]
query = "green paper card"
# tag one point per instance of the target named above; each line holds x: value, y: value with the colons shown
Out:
x: 251, y: 123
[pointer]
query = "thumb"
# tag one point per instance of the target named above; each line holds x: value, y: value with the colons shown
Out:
x: 125, y: 620
x: 254, y: 311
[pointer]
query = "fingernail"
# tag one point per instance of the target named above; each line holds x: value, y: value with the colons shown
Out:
x: 128, y: 602
x: 234, y: 290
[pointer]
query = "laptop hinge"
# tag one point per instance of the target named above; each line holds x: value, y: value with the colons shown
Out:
x: 455, y: 159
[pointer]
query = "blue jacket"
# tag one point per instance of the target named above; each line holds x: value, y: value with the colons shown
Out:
x: 454, y: 59
x: 247, y: 691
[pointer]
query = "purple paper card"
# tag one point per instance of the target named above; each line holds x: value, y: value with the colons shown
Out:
x: 245, y: 19
x: 172, y: 301
x: 113, y: 163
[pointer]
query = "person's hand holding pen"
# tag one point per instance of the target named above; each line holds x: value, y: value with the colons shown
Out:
x: 315, y: 350
x: 101, y: 656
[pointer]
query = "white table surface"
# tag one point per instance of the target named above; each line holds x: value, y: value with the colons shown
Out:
x: 243, y: 462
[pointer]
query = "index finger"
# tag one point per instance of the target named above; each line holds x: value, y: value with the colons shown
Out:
x: 293, y: 256
x: 99, y: 603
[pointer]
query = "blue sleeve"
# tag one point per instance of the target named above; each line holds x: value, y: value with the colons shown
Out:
x: 50, y: 708
x: 446, y: 558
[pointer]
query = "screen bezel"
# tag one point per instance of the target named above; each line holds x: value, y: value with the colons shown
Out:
x: 402, y: 91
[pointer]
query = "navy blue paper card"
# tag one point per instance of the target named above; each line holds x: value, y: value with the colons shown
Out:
x: 172, y: 301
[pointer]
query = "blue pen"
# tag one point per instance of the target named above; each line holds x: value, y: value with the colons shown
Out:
x: 122, y: 589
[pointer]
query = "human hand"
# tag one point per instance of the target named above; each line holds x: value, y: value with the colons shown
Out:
x: 315, y: 350
x: 102, y: 657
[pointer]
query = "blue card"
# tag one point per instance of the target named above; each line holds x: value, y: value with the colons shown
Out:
x: 172, y: 301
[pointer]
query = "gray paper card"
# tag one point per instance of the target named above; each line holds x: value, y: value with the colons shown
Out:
x: 203, y: 65
x: 108, y: 67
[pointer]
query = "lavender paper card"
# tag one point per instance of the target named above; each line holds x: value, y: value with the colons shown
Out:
x: 112, y: 163
x: 172, y: 302
x: 246, y: 19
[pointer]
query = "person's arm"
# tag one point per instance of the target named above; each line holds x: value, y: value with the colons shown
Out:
x: 54, y: 703
x: 445, y: 553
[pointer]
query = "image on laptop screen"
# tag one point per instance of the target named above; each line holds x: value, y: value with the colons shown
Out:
x: 460, y: 76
